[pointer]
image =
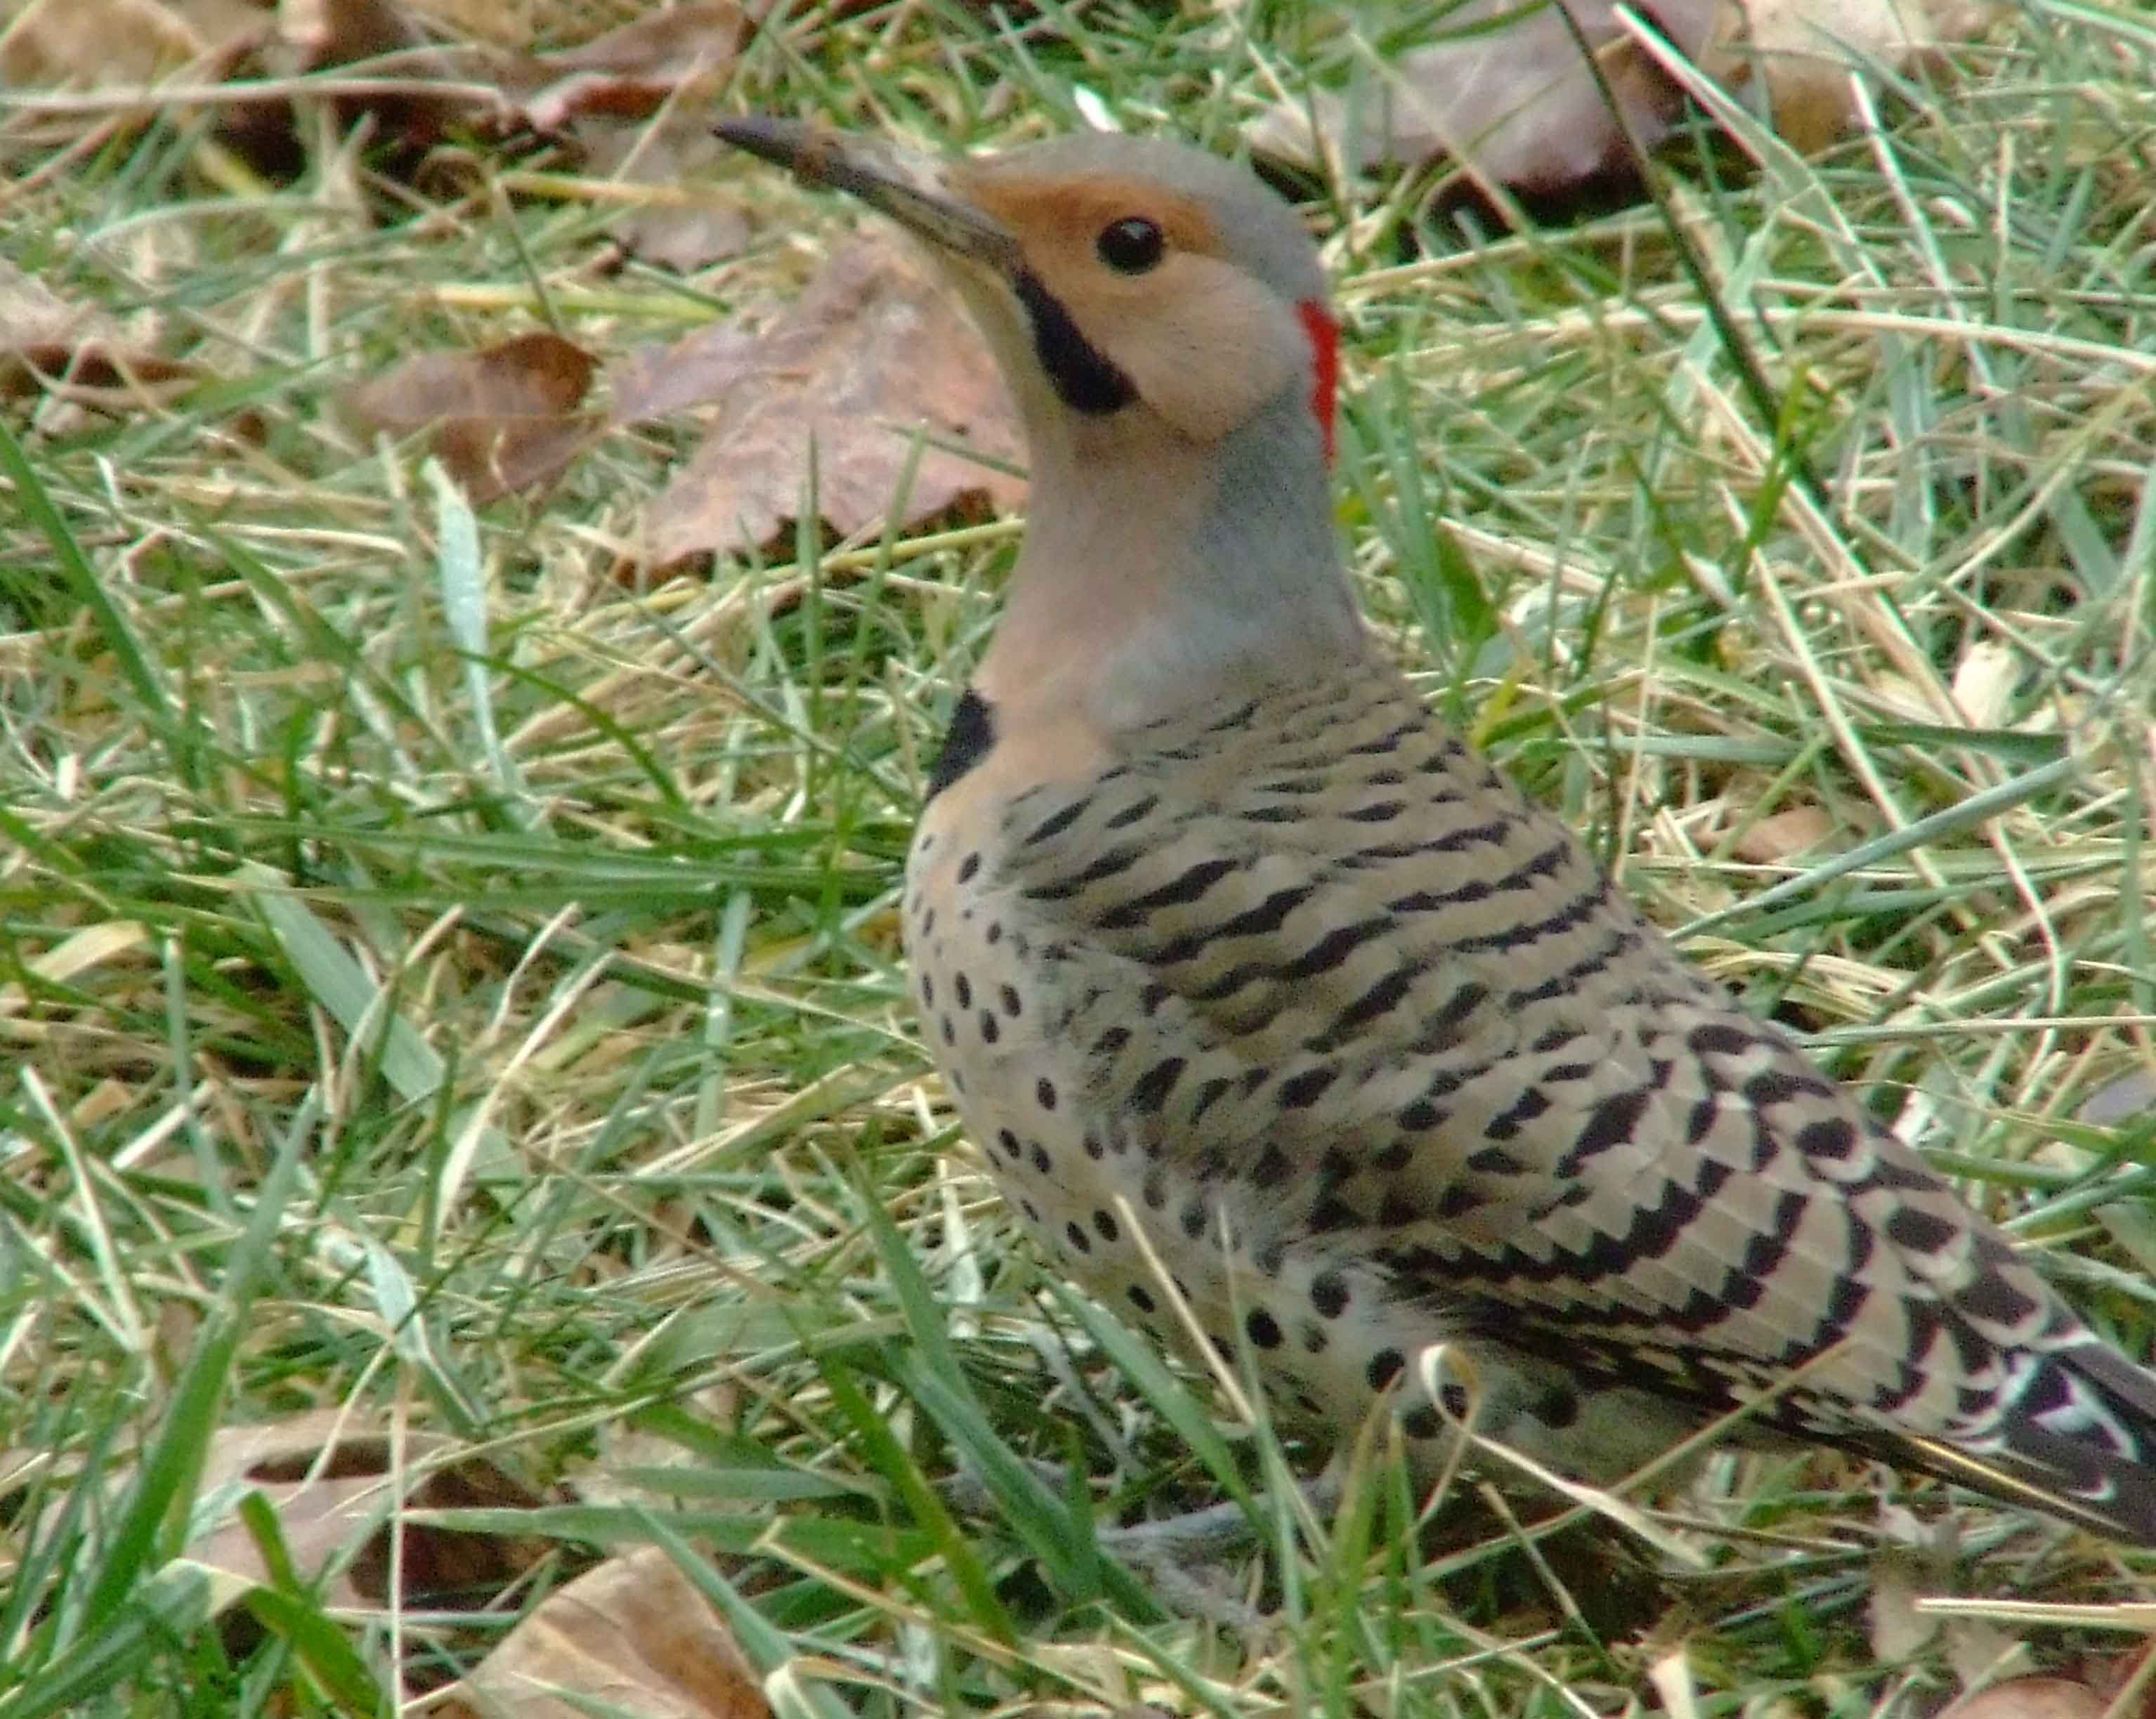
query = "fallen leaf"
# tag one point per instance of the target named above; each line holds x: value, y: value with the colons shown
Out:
x: 1984, y: 683
x: 681, y: 216
x: 503, y: 417
x: 655, y: 382
x: 77, y: 353
x: 1514, y: 102
x: 2118, y: 1102
x: 322, y: 35
x: 1904, y: 1566
x: 872, y: 353
x: 110, y: 44
x: 632, y: 1636
x: 684, y: 54
x: 2030, y: 1698
x: 1784, y: 834
x: 1506, y: 92
x: 1806, y: 52
x: 328, y: 1482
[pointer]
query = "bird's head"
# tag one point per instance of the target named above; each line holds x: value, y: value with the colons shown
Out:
x: 1114, y: 274
x: 1162, y: 317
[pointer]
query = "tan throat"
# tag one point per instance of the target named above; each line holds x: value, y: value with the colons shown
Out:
x: 1160, y: 573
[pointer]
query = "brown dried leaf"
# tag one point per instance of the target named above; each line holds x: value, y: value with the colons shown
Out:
x: 654, y: 383
x: 683, y: 217
x: 108, y: 44
x: 503, y: 417
x: 632, y: 1636
x: 1784, y: 834
x: 627, y: 72
x: 873, y: 352
x: 320, y: 34
x: 327, y: 1483
x: 2030, y: 1698
x: 77, y: 353
x: 1803, y: 51
x: 1518, y: 105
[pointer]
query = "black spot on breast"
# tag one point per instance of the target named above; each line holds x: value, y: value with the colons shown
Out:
x: 1330, y: 1214
x: 1104, y: 1221
x: 1386, y: 1366
x: 964, y: 988
x: 1301, y: 1091
x: 966, y: 742
x: 1044, y: 1091
x: 1558, y: 1407
x: 1151, y: 1089
x: 1041, y: 1161
x: 1141, y: 1297
x: 969, y: 867
x: 1264, y: 1329
x: 1328, y: 1293
x: 1079, y: 1238
x: 1423, y: 1423
x: 1058, y: 822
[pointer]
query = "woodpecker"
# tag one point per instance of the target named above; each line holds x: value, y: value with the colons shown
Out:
x: 1260, y: 991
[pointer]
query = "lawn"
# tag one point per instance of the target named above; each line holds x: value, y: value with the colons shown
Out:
x: 449, y: 978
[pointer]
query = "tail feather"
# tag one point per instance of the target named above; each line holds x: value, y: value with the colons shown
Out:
x: 2075, y: 1438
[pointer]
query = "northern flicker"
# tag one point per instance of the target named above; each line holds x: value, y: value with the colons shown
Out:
x: 1218, y: 938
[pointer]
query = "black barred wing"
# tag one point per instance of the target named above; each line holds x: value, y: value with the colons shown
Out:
x: 1365, y: 976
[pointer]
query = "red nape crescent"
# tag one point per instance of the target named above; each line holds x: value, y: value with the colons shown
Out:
x: 1324, y: 332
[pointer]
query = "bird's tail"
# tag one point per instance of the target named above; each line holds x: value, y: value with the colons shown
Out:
x: 2074, y: 1436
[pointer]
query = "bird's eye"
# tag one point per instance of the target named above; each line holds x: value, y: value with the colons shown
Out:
x: 1131, y: 245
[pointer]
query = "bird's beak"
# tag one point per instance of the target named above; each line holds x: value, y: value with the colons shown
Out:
x: 905, y: 184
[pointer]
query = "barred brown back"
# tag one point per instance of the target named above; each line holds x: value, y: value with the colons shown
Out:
x: 1378, y: 1057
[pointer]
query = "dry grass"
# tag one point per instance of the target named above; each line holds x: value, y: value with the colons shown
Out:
x: 505, y: 1034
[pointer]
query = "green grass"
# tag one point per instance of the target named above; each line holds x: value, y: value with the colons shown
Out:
x: 510, y: 1042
